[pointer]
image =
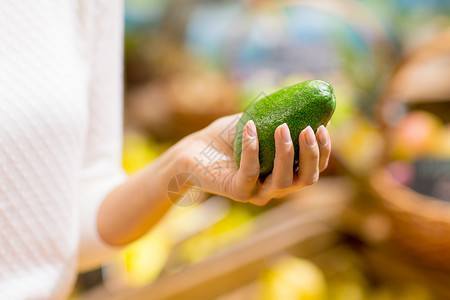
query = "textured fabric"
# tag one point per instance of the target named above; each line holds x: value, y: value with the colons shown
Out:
x: 60, y: 139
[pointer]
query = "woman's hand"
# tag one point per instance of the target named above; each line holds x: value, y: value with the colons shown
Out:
x: 136, y: 205
x: 208, y: 154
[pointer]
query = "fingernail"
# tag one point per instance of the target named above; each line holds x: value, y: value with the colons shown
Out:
x: 285, y: 133
x: 322, y: 135
x: 251, y: 129
x: 309, y: 136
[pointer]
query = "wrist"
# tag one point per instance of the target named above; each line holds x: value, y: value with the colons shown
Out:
x: 179, y: 157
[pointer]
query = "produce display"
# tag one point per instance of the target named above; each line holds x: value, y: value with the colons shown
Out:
x: 188, y: 63
x: 337, y: 276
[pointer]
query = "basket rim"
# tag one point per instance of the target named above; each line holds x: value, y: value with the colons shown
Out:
x: 400, y: 198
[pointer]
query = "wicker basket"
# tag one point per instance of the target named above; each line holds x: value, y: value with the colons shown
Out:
x: 420, y: 224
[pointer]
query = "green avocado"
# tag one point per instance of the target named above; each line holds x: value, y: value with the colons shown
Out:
x: 307, y: 103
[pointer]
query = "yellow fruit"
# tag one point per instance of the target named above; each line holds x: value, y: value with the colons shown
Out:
x: 292, y: 278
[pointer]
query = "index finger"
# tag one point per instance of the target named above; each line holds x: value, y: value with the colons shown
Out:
x: 249, y: 169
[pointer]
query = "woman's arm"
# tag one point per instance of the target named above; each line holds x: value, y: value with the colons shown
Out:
x: 139, y: 203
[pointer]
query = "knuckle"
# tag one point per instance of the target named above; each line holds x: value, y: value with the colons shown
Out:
x: 214, y: 124
x: 242, y: 196
x: 226, y: 183
x: 284, y: 193
x: 260, y: 201
x: 249, y: 146
x: 310, y: 180
x: 251, y: 173
x: 283, y: 184
x: 315, y: 155
x: 284, y: 154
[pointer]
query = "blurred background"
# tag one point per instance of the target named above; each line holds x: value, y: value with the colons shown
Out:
x: 376, y: 226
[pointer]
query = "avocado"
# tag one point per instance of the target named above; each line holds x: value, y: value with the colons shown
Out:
x: 307, y: 103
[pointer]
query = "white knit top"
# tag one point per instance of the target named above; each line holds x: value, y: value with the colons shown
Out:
x: 60, y: 139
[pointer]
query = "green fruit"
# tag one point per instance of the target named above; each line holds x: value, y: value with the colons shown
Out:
x: 308, y: 103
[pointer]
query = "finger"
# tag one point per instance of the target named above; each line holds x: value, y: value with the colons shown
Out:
x: 282, y: 173
x: 265, y: 192
x: 308, y: 172
x: 248, y: 172
x: 323, y: 139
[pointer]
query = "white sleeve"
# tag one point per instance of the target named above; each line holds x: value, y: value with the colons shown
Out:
x: 102, y: 168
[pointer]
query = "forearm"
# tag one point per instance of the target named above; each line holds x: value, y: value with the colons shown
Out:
x: 139, y: 203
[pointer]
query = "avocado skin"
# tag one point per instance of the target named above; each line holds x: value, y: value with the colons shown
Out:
x: 307, y: 103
